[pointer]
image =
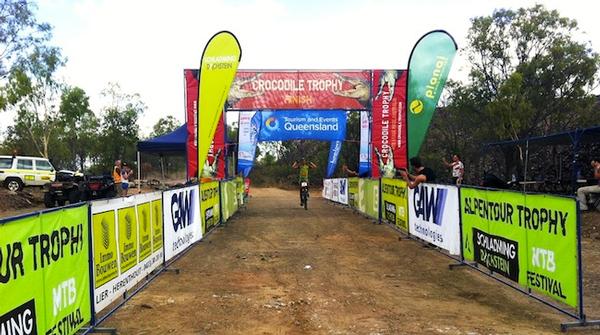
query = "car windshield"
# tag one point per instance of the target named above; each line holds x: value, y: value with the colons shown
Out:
x: 5, y: 163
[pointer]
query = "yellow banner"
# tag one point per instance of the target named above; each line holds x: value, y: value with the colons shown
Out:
x: 127, y: 237
x: 219, y: 64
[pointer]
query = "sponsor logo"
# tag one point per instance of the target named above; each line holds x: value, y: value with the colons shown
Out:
x: 128, y: 226
x: 271, y: 123
x: 105, y: 234
x: 342, y: 186
x: 145, y: 220
x: 416, y: 106
x: 209, y: 217
x: 429, y: 203
x: 433, y: 88
x: 182, y: 209
x: 390, y: 211
x: 20, y: 320
x: 498, y: 254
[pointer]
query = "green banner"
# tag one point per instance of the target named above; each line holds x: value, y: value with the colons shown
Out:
x: 353, y: 192
x: 530, y: 239
x: 239, y: 182
x: 128, y: 241
x: 44, y: 273
x: 428, y: 69
x: 394, y: 197
x: 209, y: 205
x: 368, y: 194
x: 145, y: 242
x: 157, y: 225
x: 105, y: 247
x: 218, y: 66
x: 229, y: 198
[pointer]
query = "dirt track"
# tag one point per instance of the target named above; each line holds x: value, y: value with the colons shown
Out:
x: 249, y: 277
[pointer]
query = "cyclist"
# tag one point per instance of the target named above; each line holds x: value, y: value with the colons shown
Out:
x: 303, y: 166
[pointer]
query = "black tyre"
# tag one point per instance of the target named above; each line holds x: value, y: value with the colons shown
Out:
x: 61, y: 202
x: 305, y: 203
x: 74, y: 196
x: 13, y: 184
x: 48, y: 200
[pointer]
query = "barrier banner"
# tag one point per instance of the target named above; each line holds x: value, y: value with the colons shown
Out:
x: 191, y: 101
x: 209, y: 205
x: 434, y: 215
x: 529, y: 238
x: 394, y: 197
x: 287, y: 125
x: 428, y: 67
x: 127, y: 244
x: 364, y: 166
x: 240, y: 190
x: 44, y: 273
x: 348, y: 90
x: 327, y: 189
x: 353, y: 192
x: 388, y: 130
x: 182, y: 223
x: 218, y: 66
x: 229, y: 198
x: 248, y: 138
x: 368, y: 190
x: 341, y: 190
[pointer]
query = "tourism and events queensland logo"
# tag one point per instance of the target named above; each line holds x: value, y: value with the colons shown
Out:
x: 271, y: 123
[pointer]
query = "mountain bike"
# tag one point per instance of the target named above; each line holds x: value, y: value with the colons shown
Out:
x: 304, y: 194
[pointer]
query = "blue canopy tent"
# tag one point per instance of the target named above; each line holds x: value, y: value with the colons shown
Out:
x: 171, y: 143
x: 574, y: 138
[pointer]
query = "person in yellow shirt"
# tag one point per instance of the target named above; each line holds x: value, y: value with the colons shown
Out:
x: 303, y: 168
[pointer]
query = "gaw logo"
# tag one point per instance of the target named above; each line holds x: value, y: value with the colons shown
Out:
x: 128, y: 225
x: 105, y: 234
x: 416, y: 106
x: 271, y: 123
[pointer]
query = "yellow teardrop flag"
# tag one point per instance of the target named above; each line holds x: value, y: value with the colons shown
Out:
x: 218, y: 66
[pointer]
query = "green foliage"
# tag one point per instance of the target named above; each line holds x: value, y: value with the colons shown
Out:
x: 19, y: 33
x: 164, y: 125
x: 119, y: 129
x: 530, y: 76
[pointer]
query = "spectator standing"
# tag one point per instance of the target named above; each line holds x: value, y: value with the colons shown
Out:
x: 583, y: 192
x: 458, y: 169
x: 116, y: 174
x: 422, y: 174
x: 125, y: 174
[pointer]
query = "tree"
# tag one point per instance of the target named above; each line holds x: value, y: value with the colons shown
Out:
x: 529, y: 76
x: 164, y: 125
x: 79, y: 126
x: 119, y: 129
x: 32, y: 92
x: 20, y: 34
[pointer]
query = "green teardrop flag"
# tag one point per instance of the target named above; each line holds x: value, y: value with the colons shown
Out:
x: 219, y: 64
x: 428, y: 68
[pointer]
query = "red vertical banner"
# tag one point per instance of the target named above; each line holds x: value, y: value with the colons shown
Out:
x: 191, y: 106
x: 388, y: 129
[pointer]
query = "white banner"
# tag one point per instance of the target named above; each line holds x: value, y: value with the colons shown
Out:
x: 341, y: 190
x: 434, y: 215
x: 335, y: 190
x: 327, y: 189
x: 183, y: 227
x: 127, y: 244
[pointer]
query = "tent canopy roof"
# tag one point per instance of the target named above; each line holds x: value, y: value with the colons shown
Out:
x: 578, y: 136
x: 172, y: 142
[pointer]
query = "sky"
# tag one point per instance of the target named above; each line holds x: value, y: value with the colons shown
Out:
x: 144, y: 45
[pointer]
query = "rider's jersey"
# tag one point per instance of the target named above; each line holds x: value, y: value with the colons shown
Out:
x: 303, y: 175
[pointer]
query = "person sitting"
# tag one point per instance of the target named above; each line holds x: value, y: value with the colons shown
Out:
x: 422, y: 174
x: 584, y: 192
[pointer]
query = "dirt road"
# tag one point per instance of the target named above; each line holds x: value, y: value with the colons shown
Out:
x: 278, y: 269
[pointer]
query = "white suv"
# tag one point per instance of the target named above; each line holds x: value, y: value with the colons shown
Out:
x: 19, y: 171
